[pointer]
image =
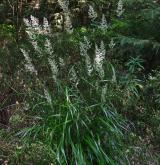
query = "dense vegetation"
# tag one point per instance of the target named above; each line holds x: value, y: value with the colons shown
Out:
x: 80, y: 82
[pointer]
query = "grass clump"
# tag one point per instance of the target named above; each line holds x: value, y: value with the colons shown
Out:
x: 76, y: 131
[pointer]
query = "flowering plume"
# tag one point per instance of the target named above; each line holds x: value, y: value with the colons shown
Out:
x: 29, y: 66
x: 46, y: 26
x: 103, y: 25
x: 120, y: 9
x: 68, y: 23
x: 51, y: 60
x: 54, y: 68
x: 73, y: 76
x: 33, y: 26
x: 91, y: 13
x: 84, y: 47
x: 99, y: 58
x: 48, y: 47
x: 34, y: 21
x: 112, y: 44
x: 47, y: 96
x: 88, y: 65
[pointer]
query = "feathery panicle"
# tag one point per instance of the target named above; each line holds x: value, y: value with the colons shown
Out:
x: 29, y: 66
x: 33, y: 26
x: 100, y: 54
x: 46, y: 26
x: 47, y: 96
x: 120, y: 9
x: 92, y: 13
x: 112, y: 44
x: 68, y: 23
x: 84, y: 46
x: 32, y: 40
x: 103, y: 25
x: 103, y: 50
x: 51, y: 60
x: 26, y: 22
x: 88, y: 65
x: 48, y: 47
x: 35, y: 46
x: 45, y: 22
x: 29, y: 29
x: 34, y: 21
x: 73, y: 76
x: 99, y: 58
x: 54, y: 68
